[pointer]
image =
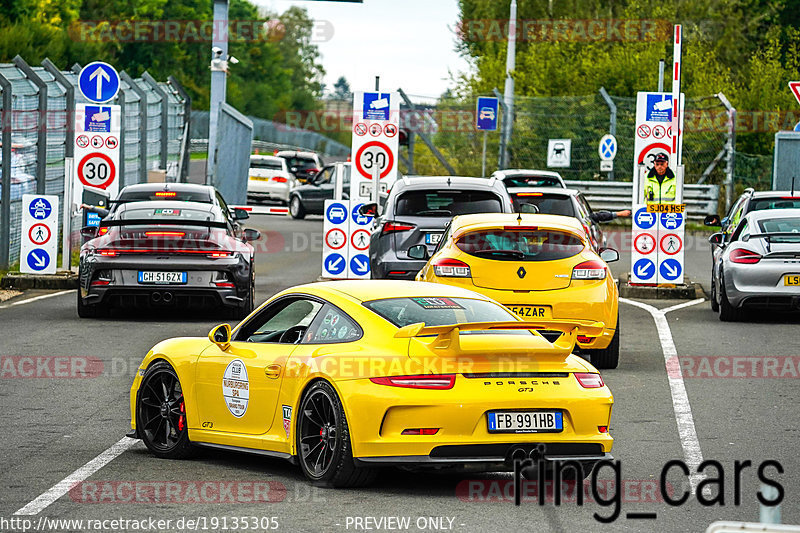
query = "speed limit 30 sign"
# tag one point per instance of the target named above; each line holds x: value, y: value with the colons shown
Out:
x: 96, y: 170
x: 371, y: 155
x: 375, y: 143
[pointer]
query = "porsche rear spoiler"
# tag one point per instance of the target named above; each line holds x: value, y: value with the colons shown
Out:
x: 447, y: 337
x: 163, y: 222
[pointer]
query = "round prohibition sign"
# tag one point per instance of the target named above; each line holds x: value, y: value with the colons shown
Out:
x: 39, y: 234
x: 335, y: 239
x: 644, y: 243
x: 643, y: 131
x: 82, y: 141
x: 360, y: 129
x: 360, y: 239
x: 671, y: 244
x: 97, y: 141
x: 96, y: 170
x: 371, y: 154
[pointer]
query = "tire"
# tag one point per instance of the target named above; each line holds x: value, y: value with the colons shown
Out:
x: 296, y: 208
x: 240, y: 313
x: 90, y: 310
x: 607, y: 357
x: 321, y: 421
x: 714, y: 302
x: 160, y: 413
x: 727, y: 312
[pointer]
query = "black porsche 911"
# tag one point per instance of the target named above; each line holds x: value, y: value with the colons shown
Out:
x: 168, y: 254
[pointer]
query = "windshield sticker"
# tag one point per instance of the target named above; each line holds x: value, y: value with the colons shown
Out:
x: 168, y: 212
x: 236, y: 388
x: 436, y: 303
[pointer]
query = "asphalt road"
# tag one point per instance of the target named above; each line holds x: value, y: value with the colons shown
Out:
x: 54, y: 425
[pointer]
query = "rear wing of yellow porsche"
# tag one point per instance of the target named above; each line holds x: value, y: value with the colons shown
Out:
x: 447, y: 337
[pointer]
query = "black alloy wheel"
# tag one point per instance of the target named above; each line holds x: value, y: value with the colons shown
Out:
x: 161, y: 413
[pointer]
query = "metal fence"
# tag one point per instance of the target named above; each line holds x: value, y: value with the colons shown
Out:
x: 38, y: 106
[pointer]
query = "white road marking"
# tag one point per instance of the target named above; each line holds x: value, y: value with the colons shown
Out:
x: 692, y: 455
x: 62, y: 487
x: 35, y: 298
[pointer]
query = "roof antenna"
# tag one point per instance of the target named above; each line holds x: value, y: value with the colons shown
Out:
x: 519, y: 217
x: 448, y: 181
x: 793, y: 178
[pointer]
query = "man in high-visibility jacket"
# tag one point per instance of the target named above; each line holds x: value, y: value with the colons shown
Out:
x: 660, y: 184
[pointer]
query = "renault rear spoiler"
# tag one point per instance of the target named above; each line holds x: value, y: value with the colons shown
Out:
x: 447, y: 336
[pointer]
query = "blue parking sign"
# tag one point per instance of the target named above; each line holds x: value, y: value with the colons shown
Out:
x: 486, y: 116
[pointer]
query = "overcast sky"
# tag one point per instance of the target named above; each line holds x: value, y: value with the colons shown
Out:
x: 408, y: 43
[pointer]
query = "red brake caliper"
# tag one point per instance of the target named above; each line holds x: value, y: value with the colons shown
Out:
x: 181, y: 420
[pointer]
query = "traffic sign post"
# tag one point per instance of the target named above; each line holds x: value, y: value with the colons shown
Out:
x: 97, y: 150
x: 607, y: 150
x: 375, y: 143
x: 98, y: 82
x: 39, y: 242
x: 486, y: 120
x: 657, y: 254
x: 336, y: 229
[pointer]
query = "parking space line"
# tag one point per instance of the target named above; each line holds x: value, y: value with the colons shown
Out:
x: 36, y: 298
x: 692, y: 454
x: 62, y: 487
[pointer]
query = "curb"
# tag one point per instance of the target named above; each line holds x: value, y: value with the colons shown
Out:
x: 686, y: 291
x: 61, y: 280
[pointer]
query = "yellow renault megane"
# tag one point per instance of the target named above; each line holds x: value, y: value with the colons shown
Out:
x: 343, y: 377
x: 539, y: 266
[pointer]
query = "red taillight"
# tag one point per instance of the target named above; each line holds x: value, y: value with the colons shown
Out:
x: 744, y: 257
x: 390, y: 227
x: 279, y: 179
x: 433, y: 381
x: 102, y: 231
x: 100, y: 282
x: 165, y: 234
x: 589, y: 270
x: 107, y: 253
x: 420, y: 431
x: 584, y: 339
x: 225, y: 284
x: 451, y: 268
x: 217, y: 255
x: 602, y: 429
x: 589, y: 381
x: 166, y: 194
x: 530, y: 193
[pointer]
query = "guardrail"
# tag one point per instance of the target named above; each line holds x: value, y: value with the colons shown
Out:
x: 700, y: 200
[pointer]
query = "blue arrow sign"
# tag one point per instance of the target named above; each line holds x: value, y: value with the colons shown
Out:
x: 98, y: 82
x: 335, y: 264
x: 336, y: 213
x: 486, y: 116
x: 670, y: 269
x: 38, y: 259
x: 644, y: 269
x: 359, y: 264
x: 644, y: 220
x: 40, y: 208
x: 671, y: 220
x: 361, y: 220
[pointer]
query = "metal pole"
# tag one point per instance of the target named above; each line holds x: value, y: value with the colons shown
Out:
x: 218, y: 85
x: 187, y: 118
x: 676, y: 98
x: 410, y: 151
x: 425, y: 138
x: 612, y: 126
x: 377, y: 83
x: 5, y: 198
x: 483, y: 159
x: 41, y: 123
x: 508, y: 122
x: 502, y: 128
x: 730, y: 148
x: 142, y: 125
x: 164, y: 117
x: 661, y: 75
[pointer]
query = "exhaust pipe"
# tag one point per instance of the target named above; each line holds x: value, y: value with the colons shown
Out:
x: 518, y: 455
x: 167, y: 297
x: 155, y: 297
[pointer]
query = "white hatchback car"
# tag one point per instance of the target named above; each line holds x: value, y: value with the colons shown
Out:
x: 270, y: 179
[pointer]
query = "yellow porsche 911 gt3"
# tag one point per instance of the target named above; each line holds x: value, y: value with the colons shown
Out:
x: 343, y: 377
x: 539, y: 266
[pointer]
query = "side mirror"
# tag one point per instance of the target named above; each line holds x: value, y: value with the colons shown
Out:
x: 712, y: 220
x: 717, y: 238
x: 221, y: 336
x: 89, y: 232
x: 420, y: 251
x: 251, y: 235
x: 368, y: 210
x: 529, y: 208
x: 240, y: 214
x: 609, y: 255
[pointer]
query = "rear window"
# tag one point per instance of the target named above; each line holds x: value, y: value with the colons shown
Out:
x: 781, y: 225
x: 168, y: 213
x: 202, y: 197
x: 301, y: 163
x: 762, y: 204
x: 520, y: 245
x: 269, y: 164
x: 439, y: 311
x: 447, y: 203
x: 549, y: 204
x: 532, y: 181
